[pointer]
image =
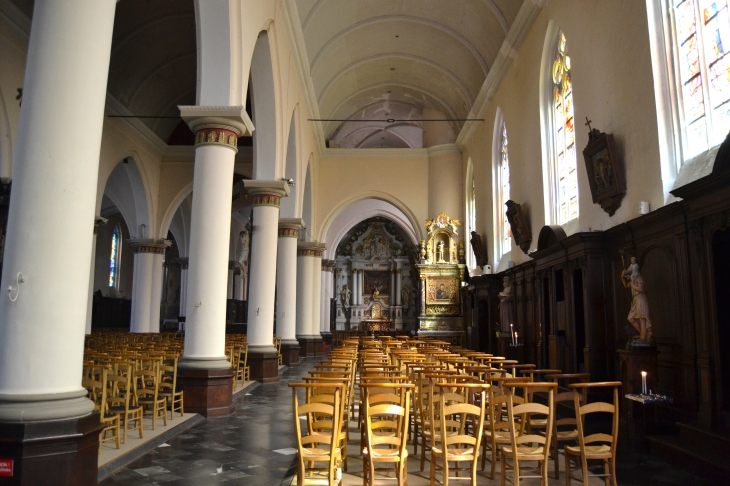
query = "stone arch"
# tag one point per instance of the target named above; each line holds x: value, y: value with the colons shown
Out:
x: 289, y: 204
x: 308, y: 200
x: 6, y: 147
x: 126, y: 188
x: 362, y: 207
x: 263, y: 108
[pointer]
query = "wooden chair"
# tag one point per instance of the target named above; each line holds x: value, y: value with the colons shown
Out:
x: 597, y: 446
x: 98, y: 389
x: 387, y: 407
x: 461, y: 417
x: 528, y: 447
x: 318, y: 445
x: 497, y: 429
x: 146, y: 392
x: 120, y: 403
x: 243, y: 371
x: 168, y: 387
x: 564, y: 429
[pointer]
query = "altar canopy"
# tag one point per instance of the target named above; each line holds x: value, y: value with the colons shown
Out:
x: 373, y: 262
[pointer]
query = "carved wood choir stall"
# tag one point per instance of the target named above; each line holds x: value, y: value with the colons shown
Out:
x: 571, y: 305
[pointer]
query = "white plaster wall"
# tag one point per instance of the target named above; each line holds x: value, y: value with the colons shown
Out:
x: 611, y: 69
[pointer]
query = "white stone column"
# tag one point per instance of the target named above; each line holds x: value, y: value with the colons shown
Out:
x: 147, y: 284
x: 266, y: 199
x: 327, y: 294
x: 391, y: 300
x: 55, y: 176
x: 183, y: 286
x: 305, y: 263
x: 229, y: 286
x: 90, y: 303
x: 286, y: 280
x: 398, y: 285
x: 216, y: 134
x: 356, y: 287
x: 317, y: 294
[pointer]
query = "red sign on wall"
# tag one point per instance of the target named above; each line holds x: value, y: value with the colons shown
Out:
x: 6, y: 467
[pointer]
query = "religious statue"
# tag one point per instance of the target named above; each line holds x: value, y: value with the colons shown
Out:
x: 405, y: 296
x: 376, y: 293
x: 440, y: 252
x: 345, y: 295
x: 480, y: 252
x: 639, y: 314
x: 518, y: 224
x: 506, y: 306
x: 244, y: 240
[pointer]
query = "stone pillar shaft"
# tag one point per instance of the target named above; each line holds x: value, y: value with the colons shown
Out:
x: 183, y: 286
x: 147, y: 284
x: 263, y: 357
x: 286, y: 289
x: 205, y: 373
x: 45, y: 417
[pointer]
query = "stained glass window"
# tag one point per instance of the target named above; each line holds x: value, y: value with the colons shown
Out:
x: 506, y: 233
x: 114, y: 258
x: 702, y: 35
x: 566, y: 167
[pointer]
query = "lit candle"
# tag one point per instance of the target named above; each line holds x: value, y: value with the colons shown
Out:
x: 643, y: 383
x: 517, y: 340
x: 512, y: 334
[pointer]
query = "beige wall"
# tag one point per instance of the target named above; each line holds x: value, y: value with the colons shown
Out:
x: 608, y: 44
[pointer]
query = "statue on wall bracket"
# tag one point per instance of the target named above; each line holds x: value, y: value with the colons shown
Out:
x: 518, y: 224
x: 480, y: 251
x: 605, y: 170
x: 639, y: 314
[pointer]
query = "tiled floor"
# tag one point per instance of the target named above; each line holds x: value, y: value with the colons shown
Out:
x: 255, y: 446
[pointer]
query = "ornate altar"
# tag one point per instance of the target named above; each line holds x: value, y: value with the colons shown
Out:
x: 376, y: 320
x: 440, y: 277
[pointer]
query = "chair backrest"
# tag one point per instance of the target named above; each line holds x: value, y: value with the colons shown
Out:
x: 461, y: 417
x: 387, y: 409
x: 318, y: 411
x: 527, y: 411
x: 597, y: 407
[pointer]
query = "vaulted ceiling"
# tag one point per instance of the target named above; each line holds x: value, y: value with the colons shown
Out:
x: 409, y: 54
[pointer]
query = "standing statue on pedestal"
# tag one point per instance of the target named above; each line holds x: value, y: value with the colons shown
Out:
x: 345, y: 295
x: 244, y: 241
x: 506, y: 306
x: 440, y: 252
x: 405, y: 296
x: 639, y: 314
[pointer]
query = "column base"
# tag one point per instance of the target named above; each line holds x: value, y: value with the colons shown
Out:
x: 310, y: 346
x: 52, y: 452
x: 264, y: 364
x: 290, y: 352
x: 208, y: 392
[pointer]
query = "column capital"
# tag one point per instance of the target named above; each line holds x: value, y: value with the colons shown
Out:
x: 310, y: 248
x: 328, y: 265
x: 184, y: 262
x: 289, y: 227
x: 219, y: 125
x: 149, y: 245
x: 266, y: 193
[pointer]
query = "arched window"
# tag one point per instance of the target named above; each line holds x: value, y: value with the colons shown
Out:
x: 471, y: 214
x: 500, y: 156
x: 506, y: 232
x: 560, y: 162
x: 701, y: 42
x: 114, y: 257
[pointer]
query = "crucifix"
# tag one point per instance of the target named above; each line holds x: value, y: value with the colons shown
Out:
x: 588, y: 123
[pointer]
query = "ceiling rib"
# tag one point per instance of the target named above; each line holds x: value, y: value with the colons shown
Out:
x: 462, y: 88
x: 402, y: 18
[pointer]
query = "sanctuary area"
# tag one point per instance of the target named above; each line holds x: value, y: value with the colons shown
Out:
x: 475, y: 234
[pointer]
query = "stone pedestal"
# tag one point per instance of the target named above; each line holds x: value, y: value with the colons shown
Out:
x: 264, y: 365
x: 52, y: 452
x: 307, y: 346
x: 290, y: 353
x: 208, y: 392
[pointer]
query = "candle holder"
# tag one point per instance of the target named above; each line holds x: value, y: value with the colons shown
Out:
x: 515, y: 339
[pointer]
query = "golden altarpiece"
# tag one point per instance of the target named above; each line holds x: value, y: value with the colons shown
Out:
x: 440, y: 275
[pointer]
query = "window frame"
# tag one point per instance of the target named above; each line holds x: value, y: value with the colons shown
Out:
x: 499, y: 208
x: 114, y: 281
x: 551, y: 177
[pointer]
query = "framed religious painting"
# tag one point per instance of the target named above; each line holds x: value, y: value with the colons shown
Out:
x: 442, y: 290
x: 376, y: 281
x: 605, y: 171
